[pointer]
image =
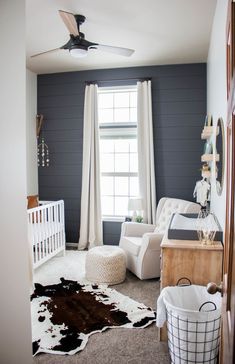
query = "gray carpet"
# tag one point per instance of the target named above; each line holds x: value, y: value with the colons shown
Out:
x: 121, y: 346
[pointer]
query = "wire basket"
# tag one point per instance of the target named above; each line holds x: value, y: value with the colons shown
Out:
x: 193, y: 335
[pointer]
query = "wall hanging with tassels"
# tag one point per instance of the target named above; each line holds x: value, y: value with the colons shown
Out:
x: 43, y: 150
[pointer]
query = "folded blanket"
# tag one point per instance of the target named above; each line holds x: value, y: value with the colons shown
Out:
x: 161, y: 310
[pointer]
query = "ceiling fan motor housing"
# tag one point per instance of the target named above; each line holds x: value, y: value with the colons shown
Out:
x: 79, y: 19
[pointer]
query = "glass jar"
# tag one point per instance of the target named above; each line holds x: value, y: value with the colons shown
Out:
x: 207, y: 226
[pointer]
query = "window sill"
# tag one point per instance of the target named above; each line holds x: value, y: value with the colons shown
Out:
x: 113, y: 218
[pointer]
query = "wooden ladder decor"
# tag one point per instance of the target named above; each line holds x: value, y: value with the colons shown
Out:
x: 39, y: 122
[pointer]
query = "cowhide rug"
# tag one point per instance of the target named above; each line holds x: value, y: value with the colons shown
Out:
x: 64, y: 315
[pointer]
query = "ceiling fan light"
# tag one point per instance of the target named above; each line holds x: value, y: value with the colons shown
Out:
x: 78, y: 52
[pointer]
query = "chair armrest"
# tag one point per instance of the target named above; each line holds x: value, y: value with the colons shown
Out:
x: 136, y: 229
x: 152, y: 241
x: 149, y: 255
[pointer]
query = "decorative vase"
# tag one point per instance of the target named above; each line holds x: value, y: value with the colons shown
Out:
x: 207, y: 226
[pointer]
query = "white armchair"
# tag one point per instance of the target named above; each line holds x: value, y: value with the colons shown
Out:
x: 141, y: 242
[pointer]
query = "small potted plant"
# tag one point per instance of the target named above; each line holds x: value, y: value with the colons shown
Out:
x: 139, y: 218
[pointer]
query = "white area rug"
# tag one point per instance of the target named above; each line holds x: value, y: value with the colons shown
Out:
x: 72, y: 266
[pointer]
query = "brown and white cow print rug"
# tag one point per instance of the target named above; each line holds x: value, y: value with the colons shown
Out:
x: 64, y: 315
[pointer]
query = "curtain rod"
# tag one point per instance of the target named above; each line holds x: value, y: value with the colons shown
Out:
x: 120, y: 79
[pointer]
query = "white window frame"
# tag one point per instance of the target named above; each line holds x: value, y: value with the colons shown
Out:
x: 116, y: 128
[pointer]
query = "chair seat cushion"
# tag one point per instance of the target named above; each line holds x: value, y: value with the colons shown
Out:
x: 131, y: 244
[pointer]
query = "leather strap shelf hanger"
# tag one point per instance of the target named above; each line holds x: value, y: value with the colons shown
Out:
x: 39, y: 122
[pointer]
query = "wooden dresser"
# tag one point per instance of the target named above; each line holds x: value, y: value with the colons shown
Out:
x: 199, y: 263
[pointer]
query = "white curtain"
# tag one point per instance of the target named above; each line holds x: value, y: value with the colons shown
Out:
x: 91, y: 218
x: 145, y: 150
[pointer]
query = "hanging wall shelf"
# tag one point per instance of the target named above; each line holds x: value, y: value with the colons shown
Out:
x: 208, y: 131
x: 209, y: 158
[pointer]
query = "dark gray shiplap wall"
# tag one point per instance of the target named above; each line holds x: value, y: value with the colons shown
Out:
x: 179, y: 108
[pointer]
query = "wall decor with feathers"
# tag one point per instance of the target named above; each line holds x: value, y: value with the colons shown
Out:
x: 43, y: 150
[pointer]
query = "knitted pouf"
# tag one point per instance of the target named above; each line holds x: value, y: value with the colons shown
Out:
x: 106, y: 264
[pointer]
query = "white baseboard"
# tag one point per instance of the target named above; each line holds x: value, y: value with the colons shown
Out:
x: 72, y: 245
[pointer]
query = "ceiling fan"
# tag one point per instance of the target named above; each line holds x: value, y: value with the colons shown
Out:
x: 77, y: 45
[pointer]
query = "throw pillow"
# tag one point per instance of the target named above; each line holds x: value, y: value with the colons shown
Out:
x: 33, y: 202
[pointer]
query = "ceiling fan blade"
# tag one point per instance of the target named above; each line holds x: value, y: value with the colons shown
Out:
x: 70, y: 22
x: 116, y: 50
x: 50, y: 51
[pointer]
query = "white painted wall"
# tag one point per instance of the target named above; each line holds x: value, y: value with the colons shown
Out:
x: 15, y: 330
x: 216, y: 91
x: 31, y: 138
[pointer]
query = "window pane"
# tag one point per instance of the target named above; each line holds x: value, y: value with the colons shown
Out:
x: 121, y: 115
x: 118, y: 151
x: 121, y: 99
x: 105, y: 101
x: 122, y: 162
x: 105, y: 115
x: 133, y: 145
x: 121, y: 205
x: 107, y: 205
x: 121, y: 186
x: 133, y: 114
x: 134, y: 186
x: 133, y: 99
x: 133, y: 162
x: 107, y: 186
x: 122, y: 146
x: 106, y: 146
x: 107, y: 163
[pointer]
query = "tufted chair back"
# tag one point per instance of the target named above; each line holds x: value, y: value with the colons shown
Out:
x: 167, y: 206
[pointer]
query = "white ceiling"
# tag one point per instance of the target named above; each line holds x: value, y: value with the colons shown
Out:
x: 160, y: 31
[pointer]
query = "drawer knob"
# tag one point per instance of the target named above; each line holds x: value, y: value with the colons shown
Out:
x: 212, y: 288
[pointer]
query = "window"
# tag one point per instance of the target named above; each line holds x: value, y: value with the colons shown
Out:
x: 117, y: 110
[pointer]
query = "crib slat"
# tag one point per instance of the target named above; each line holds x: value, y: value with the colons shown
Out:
x: 43, y: 221
x: 62, y: 225
x: 39, y: 233
x: 57, y: 225
x: 31, y: 236
x: 50, y: 229
x: 59, y: 219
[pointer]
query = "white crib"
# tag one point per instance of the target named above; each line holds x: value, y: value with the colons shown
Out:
x: 46, y: 231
